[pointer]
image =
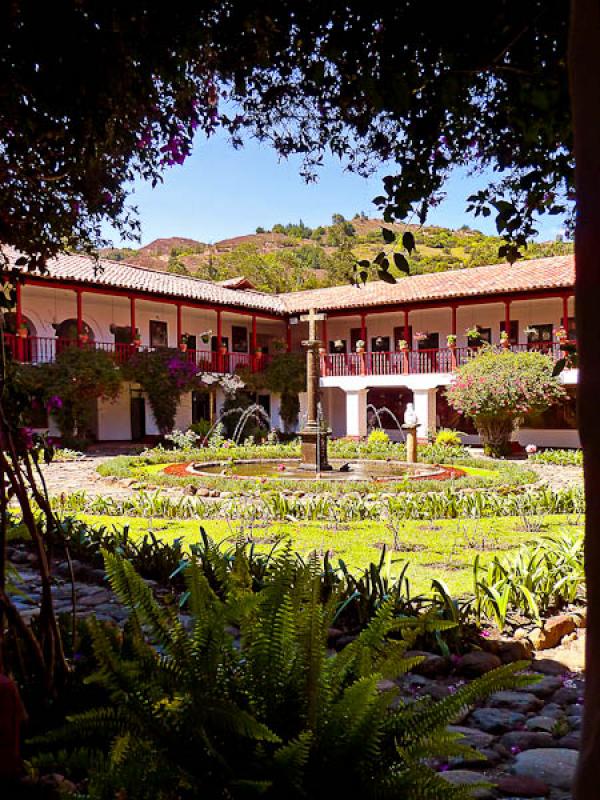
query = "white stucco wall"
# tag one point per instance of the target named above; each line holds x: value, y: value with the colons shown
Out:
x: 114, y: 419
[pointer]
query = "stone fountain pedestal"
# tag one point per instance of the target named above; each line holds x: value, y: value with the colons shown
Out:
x: 411, y: 442
x: 314, y: 439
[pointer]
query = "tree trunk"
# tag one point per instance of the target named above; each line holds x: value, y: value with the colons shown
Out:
x: 495, y: 432
x: 584, y: 69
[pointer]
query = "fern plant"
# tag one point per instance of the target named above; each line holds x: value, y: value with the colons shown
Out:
x: 196, y: 712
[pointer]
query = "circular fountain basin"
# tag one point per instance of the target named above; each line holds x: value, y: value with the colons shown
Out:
x: 289, y: 469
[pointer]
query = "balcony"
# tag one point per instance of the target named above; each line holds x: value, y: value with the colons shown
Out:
x: 43, y: 350
x: 415, y: 362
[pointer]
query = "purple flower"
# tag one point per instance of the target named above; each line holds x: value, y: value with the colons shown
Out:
x: 515, y: 750
x: 54, y: 403
x: 443, y: 768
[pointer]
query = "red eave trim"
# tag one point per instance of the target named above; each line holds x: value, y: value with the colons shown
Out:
x: 451, y: 302
x: 174, y: 300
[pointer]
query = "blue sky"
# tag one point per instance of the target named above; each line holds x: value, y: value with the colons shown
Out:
x: 220, y: 192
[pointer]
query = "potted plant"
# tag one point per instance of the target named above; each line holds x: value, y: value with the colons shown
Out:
x: 451, y: 340
x: 183, y: 343
x: 83, y: 337
x: 504, y: 339
x: 136, y: 338
x: 402, y: 345
x: 473, y: 336
x: 338, y: 345
x: 222, y: 348
x: 561, y: 334
x: 360, y: 346
x: 23, y: 331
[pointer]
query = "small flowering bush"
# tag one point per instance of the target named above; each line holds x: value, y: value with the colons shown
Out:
x: 498, y: 387
x: 70, y: 388
x: 164, y: 375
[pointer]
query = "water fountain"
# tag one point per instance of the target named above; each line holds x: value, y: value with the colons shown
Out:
x: 259, y: 414
x: 379, y: 412
x: 315, y: 433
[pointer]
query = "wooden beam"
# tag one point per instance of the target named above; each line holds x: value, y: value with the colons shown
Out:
x: 565, y: 312
x: 79, y: 295
x: 179, y: 324
x: 132, y: 321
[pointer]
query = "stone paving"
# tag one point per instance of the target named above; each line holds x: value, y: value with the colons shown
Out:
x: 527, y: 739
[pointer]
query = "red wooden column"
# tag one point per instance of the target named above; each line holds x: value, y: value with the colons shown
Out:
x: 219, y: 337
x: 179, y: 324
x: 453, y: 332
x: 254, y: 358
x: 363, y: 336
x: 79, y: 295
x: 406, y: 362
x: 18, y: 321
x: 565, y: 317
x: 132, y: 321
x: 325, y: 347
x: 507, y: 318
x: 288, y: 337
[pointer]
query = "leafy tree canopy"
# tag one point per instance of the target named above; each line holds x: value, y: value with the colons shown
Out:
x: 104, y: 92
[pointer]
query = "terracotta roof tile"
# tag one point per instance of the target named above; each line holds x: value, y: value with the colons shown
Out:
x: 82, y: 269
x: 537, y: 274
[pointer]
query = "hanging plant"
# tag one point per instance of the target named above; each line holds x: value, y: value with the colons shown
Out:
x: 420, y: 336
x: 473, y: 334
x: 561, y: 333
x: 451, y: 340
x: 205, y: 336
x: 402, y: 344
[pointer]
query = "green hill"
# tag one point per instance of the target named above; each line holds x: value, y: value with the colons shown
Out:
x: 293, y: 256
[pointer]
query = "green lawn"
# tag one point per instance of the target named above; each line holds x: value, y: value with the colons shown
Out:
x: 436, y: 549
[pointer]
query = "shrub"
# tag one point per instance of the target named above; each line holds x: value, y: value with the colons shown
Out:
x: 498, y: 387
x: 283, y: 374
x: 377, y: 440
x: 448, y: 438
x: 72, y: 385
x: 182, y: 441
x: 195, y: 713
x: 164, y: 375
x: 541, y: 576
x: 560, y: 458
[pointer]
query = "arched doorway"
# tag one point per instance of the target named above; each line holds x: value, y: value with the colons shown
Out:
x: 67, y: 330
x: 67, y: 336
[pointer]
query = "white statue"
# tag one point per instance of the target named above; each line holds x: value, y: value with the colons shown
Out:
x: 410, y: 418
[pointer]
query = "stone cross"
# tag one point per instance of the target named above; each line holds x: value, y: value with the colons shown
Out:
x: 312, y: 318
x: 312, y: 345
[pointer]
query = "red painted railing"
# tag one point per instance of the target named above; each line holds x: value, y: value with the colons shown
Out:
x: 418, y: 362
x: 44, y: 349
